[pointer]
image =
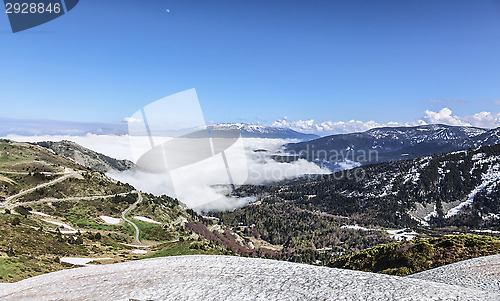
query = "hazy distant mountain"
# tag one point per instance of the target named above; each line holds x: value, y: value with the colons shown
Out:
x: 390, y: 144
x: 55, y: 127
x: 32, y: 127
x: 262, y: 131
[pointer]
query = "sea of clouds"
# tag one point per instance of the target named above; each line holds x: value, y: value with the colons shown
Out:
x: 204, y: 185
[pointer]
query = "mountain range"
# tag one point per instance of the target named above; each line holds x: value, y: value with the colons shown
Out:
x: 262, y: 131
x: 37, y: 127
x: 392, y: 144
x: 71, y: 128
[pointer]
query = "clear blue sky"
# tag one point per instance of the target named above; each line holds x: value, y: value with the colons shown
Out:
x: 378, y: 60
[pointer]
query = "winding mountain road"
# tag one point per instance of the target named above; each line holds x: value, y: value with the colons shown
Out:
x: 10, y: 198
x: 48, y: 173
x: 137, y: 231
x: 78, y: 198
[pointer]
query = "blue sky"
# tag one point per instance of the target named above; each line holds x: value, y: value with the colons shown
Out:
x: 257, y: 60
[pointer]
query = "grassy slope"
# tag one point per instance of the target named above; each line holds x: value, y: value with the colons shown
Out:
x: 26, y: 252
x: 30, y: 246
x: 187, y: 248
x: 420, y: 254
x: 93, y: 184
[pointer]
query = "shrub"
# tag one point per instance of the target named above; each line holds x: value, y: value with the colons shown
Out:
x: 16, y: 221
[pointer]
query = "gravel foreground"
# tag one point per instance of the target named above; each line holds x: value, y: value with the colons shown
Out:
x: 228, y: 278
x: 481, y: 273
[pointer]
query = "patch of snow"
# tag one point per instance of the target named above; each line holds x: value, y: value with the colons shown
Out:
x: 147, y: 220
x: 81, y: 260
x: 356, y: 227
x: 487, y: 231
x: 492, y: 216
x: 490, y: 177
x: 230, y: 278
x: 5, y: 285
x: 41, y: 214
x: 134, y: 246
x: 402, y: 234
x: 432, y: 214
x: 217, y: 228
x: 324, y: 249
x: 478, y: 273
x: 139, y: 252
x: 110, y: 220
x: 476, y: 157
x: 422, y: 222
x: 65, y: 226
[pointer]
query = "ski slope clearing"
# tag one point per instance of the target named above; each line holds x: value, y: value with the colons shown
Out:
x: 482, y: 273
x: 229, y: 278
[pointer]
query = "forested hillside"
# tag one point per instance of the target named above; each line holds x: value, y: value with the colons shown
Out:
x: 453, y: 189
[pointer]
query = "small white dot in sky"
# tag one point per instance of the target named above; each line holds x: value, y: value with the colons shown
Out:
x: 168, y: 10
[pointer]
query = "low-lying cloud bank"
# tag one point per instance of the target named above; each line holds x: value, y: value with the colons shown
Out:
x: 444, y: 116
x: 203, y: 185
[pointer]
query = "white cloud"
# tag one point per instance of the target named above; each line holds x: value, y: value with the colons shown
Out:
x: 443, y: 116
x: 194, y: 184
x: 335, y: 127
x: 481, y: 119
x: 115, y: 146
x: 484, y: 119
x: 132, y: 120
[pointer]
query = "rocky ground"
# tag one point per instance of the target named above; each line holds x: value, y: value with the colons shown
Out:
x: 230, y: 278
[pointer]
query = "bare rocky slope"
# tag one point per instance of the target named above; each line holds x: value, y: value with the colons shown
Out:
x: 229, y: 278
x: 86, y: 157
